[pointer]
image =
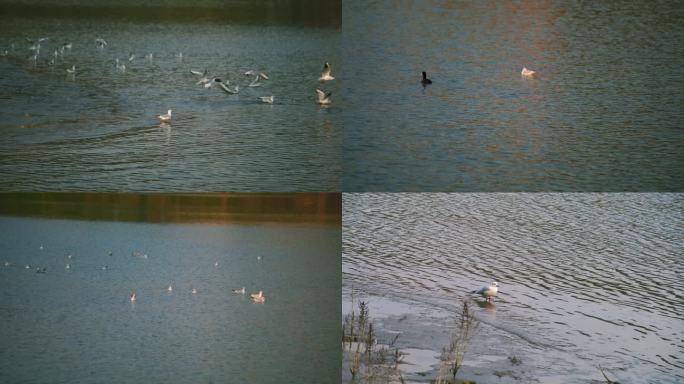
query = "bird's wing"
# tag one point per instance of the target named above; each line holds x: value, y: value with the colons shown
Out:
x: 321, y: 95
x: 326, y: 70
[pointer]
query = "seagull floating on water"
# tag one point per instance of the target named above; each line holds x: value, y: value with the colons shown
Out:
x: 132, y: 297
x: 258, y: 297
x: 72, y: 69
x: 489, y: 291
x: 101, y: 43
x: 131, y: 56
x: 166, y: 117
x: 425, y: 80
x: 528, y: 72
x: 169, y: 289
x: 326, y: 75
x: 267, y: 99
x: 198, y: 73
x: 194, y: 291
x: 323, y: 98
x: 240, y: 291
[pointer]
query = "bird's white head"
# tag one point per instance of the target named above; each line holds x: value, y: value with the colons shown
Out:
x: 494, y: 283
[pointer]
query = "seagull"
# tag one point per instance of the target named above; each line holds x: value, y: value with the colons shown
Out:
x: 257, y: 297
x: 240, y: 291
x: 67, y: 45
x: 255, y: 82
x: 258, y: 74
x: 131, y: 56
x: 266, y: 99
x: 166, y: 117
x: 528, y: 72
x: 198, y: 73
x: 489, y: 291
x: 132, y: 297
x: 41, y: 270
x: 259, y: 258
x: 68, y: 266
x: 323, y: 98
x: 194, y: 291
x: 120, y: 66
x: 228, y: 90
x: 211, y: 82
x: 216, y: 264
x: 327, y: 73
x: 101, y: 43
x: 72, y: 69
x: 425, y: 80
x: 169, y: 289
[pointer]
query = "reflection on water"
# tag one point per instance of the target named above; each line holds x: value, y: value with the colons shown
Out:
x: 77, y: 324
x: 98, y: 130
x: 585, y: 279
x: 326, y: 14
x: 603, y: 115
x: 173, y: 207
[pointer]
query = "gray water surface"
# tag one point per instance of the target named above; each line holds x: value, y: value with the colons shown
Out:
x: 604, y: 114
x: 585, y: 279
x: 78, y: 325
x: 97, y: 130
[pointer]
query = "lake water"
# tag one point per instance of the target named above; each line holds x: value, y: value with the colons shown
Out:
x: 604, y: 114
x: 585, y: 279
x: 98, y: 129
x: 78, y: 325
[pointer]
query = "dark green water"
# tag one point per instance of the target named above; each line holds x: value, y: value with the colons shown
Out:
x: 98, y: 130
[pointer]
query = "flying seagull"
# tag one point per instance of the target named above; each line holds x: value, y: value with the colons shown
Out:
x: 327, y: 73
x: 323, y: 98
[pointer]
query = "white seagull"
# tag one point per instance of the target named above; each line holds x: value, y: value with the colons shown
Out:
x: 72, y: 69
x: 228, y: 90
x: 323, y: 98
x: 198, y: 73
x: 132, y: 298
x: 101, y: 43
x: 258, y: 74
x: 258, y: 297
x: 489, y: 291
x: 240, y: 291
x: 169, y: 289
x: 131, y: 56
x: 528, y: 72
x: 266, y: 99
x: 255, y: 82
x: 166, y: 117
x: 326, y: 75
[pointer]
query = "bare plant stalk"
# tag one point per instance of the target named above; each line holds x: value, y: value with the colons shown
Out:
x: 452, y: 356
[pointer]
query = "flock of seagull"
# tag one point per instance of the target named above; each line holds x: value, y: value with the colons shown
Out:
x: 257, y: 298
x: 323, y: 98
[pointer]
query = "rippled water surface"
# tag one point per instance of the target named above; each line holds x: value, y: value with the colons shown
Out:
x: 585, y: 279
x: 97, y: 130
x: 604, y: 114
x: 78, y: 325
